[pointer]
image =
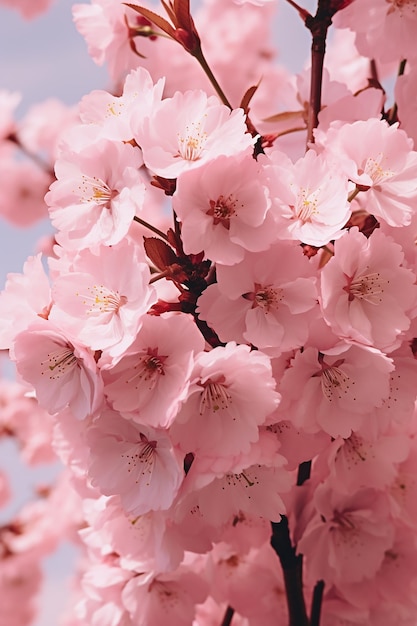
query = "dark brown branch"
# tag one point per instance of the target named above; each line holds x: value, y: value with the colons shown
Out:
x: 228, y: 616
x: 316, y: 603
x: 292, y: 566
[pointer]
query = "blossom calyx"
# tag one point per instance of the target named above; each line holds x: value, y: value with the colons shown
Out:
x: 182, y: 28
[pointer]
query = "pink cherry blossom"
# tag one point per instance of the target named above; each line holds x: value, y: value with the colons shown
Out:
x: 28, y: 8
x: 113, y: 115
x: 148, y: 383
x: 62, y: 372
x: 309, y: 197
x: 102, y: 301
x: 223, y: 207
x: 97, y: 193
x: 267, y: 300
x: 188, y: 130
x: 380, y: 159
x: 339, y: 387
x: 231, y: 394
x: 25, y: 297
x: 134, y: 461
x: 389, y: 31
x: 348, y: 537
x: 364, y: 288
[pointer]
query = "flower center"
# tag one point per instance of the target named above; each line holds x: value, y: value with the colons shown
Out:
x: 306, y: 205
x: 268, y: 297
x: 99, y: 299
x: 214, y: 397
x: 374, y: 168
x: 94, y: 190
x: 334, y: 382
x: 368, y: 287
x: 142, y: 456
x: 60, y: 362
x: 222, y: 210
x: 191, y: 144
x: 148, y: 369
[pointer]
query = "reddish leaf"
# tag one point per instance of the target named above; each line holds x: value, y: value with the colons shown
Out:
x: 159, y: 252
x: 249, y: 93
x: 154, y: 18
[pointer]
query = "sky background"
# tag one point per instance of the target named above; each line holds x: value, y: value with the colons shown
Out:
x: 44, y: 58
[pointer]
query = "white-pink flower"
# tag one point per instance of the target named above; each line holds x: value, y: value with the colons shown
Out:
x: 366, y: 294
x: 223, y: 207
x: 267, y: 300
x: 309, y: 197
x: 348, y: 537
x: 231, y: 394
x: 189, y: 129
x: 134, y: 461
x: 380, y: 159
x: 338, y: 388
x: 104, y: 296
x: 148, y: 383
x: 63, y: 373
x: 97, y: 193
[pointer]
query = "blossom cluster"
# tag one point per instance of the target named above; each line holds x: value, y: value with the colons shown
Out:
x: 222, y: 308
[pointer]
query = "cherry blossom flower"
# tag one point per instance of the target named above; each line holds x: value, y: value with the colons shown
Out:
x: 309, y: 197
x: 134, y: 461
x: 231, y: 394
x: 62, y: 372
x: 148, y: 383
x: 25, y: 297
x: 266, y: 300
x: 380, y: 160
x: 389, y: 31
x: 223, y: 207
x: 98, y: 192
x: 188, y: 130
x: 339, y: 387
x: 102, y: 302
x: 366, y: 294
x: 113, y: 115
x: 348, y: 537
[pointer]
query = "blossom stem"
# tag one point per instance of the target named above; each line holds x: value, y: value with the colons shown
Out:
x: 316, y: 603
x: 318, y: 26
x: 353, y: 194
x: 150, y: 227
x: 34, y: 157
x: 207, y: 70
x: 292, y: 567
x: 228, y: 616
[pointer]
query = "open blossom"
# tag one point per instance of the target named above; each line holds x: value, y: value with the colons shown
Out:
x: 149, y: 381
x: 267, y: 300
x: 188, y: 130
x: 388, y: 31
x: 309, y: 197
x: 338, y: 388
x: 348, y: 537
x: 366, y: 294
x: 134, y: 461
x: 97, y: 193
x: 223, y: 207
x: 231, y: 394
x: 113, y: 115
x: 380, y: 160
x: 104, y: 296
x: 63, y: 373
x: 25, y: 297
